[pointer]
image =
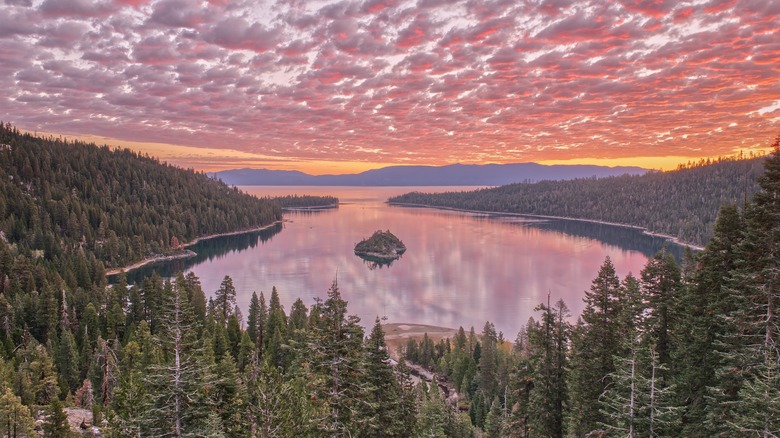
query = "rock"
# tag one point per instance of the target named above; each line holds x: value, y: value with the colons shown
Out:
x: 382, y: 246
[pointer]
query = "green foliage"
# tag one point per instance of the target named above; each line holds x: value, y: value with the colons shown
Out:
x: 306, y: 201
x: 683, y: 203
x: 91, y: 204
x: 382, y: 244
x: 56, y: 424
x: 688, y: 351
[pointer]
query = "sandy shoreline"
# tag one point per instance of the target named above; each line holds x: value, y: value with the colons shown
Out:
x: 398, y: 334
x: 188, y: 253
x: 668, y: 237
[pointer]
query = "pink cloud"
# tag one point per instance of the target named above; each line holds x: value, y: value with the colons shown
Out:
x: 495, y: 80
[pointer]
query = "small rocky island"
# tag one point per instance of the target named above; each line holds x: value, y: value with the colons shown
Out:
x: 382, y: 246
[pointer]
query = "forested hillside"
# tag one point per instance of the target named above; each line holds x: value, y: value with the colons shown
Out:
x: 62, y: 200
x: 677, y: 351
x: 682, y: 203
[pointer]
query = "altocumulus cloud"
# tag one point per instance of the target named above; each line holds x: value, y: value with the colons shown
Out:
x: 409, y: 81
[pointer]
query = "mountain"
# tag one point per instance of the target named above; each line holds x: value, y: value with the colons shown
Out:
x: 683, y: 203
x: 452, y: 175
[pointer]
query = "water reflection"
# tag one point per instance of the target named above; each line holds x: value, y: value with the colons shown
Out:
x: 375, y: 263
x: 459, y: 268
x: 206, y: 250
x: 625, y: 237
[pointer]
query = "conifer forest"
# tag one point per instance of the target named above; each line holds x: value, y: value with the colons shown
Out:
x: 681, y: 349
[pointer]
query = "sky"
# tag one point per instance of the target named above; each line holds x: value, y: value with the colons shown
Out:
x: 347, y: 85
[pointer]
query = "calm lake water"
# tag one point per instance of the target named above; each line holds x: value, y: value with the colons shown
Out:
x: 459, y: 268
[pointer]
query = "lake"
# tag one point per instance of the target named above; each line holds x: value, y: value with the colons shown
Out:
x: 460, y: 269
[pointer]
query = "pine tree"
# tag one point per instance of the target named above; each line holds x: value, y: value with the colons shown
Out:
x: 748, y: 348
x: 225, y: 300
x: 594, y: 345
x: 382, y: 403
x: 177, y: 384
x: 131, y: 399
x: 638, y: 401
x: 407, y: 403
x: 432, y: 419
x: 335, y: 356
x: 494, y: 422
x: 488, y: 362
x: 279, y: 405
x: 275, y: 332
x: 68, y: 360
x: 661, y: 285
x: 15, y: 418
x: 228, y: 396
x: 253, y: 317
x: 56, y: 425
x: 548, y: 343
x: 705, y: 301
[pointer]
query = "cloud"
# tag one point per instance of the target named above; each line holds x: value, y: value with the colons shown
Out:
x: 76, y: 8
x: 425, y: 81
x: 238, y: 34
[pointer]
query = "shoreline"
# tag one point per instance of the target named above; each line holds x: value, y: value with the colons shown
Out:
x: 644, y: 230
x: 313, y: 207
x: 187, y: 253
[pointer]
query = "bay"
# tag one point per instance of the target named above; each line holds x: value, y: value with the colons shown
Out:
x: 460, y: 268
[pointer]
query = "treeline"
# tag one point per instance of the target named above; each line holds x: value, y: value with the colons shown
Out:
x: 683, y: 203
x: 680, y: 351
x: 306, y: 201
x: 63, y: 200
x: 688, y: 351
x: 159, y: 359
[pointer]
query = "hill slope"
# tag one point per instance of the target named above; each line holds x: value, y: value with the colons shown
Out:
x: 452, y: 175
x: 60, y: 198
x: 682, y: 203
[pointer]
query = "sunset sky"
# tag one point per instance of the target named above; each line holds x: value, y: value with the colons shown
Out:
x: 347, y: 85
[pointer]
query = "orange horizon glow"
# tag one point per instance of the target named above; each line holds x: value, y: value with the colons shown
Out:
x: 343, y: 86
x: 215, y: 160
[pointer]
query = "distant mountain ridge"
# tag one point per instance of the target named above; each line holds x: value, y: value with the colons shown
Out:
x: 451, y: 175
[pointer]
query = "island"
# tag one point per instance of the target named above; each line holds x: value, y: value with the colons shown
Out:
x: 383, y: 246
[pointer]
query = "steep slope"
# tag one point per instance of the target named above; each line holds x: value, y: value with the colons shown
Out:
x: 60, y: 198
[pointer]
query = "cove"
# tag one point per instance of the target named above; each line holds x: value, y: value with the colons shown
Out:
x: 459, y: 268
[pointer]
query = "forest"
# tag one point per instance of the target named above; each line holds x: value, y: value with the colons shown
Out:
x: 680, y: 350
x: 683, y: 203
x: 306, y: 201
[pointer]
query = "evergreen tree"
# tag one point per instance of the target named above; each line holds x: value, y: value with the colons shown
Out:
x: 432, y: 420
x: 279, y: 405
x: 177, y: 384
x: 128, y: 417
x: 705, y: 301
x: 494, y: 422
x: 68, y: 361
x: 228, y: 397
x: 15, y: 418
x: 275, y: 332
x: 253, y: 317
x: 594, y: 345
x: 661, y: 285
x: 548, y: 341
x: 225, y: 300
x: 335, y: 356
x: 56, y: 424
x: 488, y: 362
x: 749, y: 346
x: 381, y: 406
